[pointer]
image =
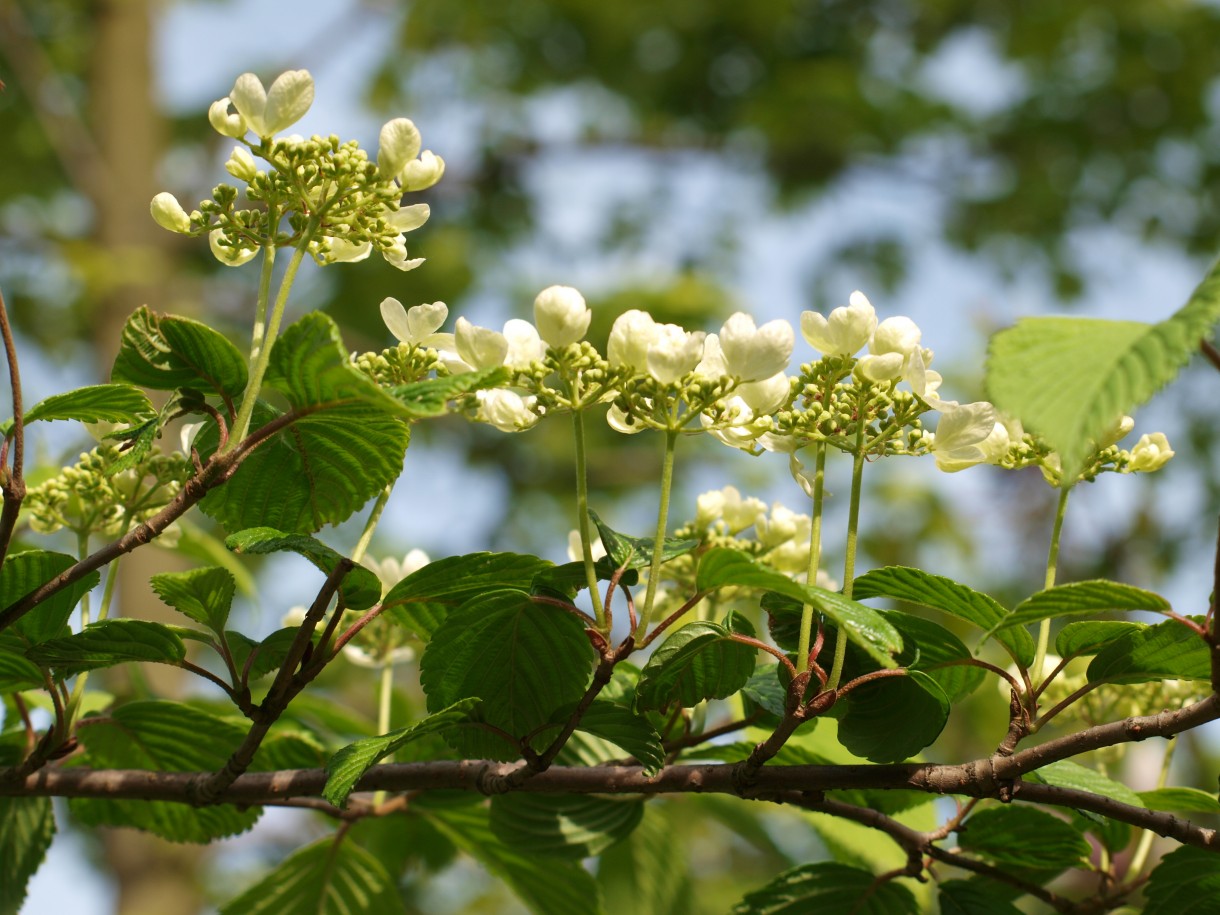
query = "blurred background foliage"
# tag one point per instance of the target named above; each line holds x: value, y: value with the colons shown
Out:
x: 690, y: 157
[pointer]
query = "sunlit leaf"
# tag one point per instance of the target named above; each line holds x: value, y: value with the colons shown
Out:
x: 166, y: 352
x: 893, y: 718
x: 1167, y: 651
x: 108, y: 643
x: 1080, y: 598
x: 205, y: 595
x: 701, y: 660
x: 360, y: 587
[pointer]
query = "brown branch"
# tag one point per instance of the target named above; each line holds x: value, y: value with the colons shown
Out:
x: 1210, y: 351
x: 674, y: 617
x: 1058, y: 903
x: 14, y: 480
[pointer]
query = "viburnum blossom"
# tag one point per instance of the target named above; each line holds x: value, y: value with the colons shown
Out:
x: 561, y: 315
x: 752, y: 353
x: 845, y: 332
x: 1151, y: 453
x: 418, y: 325
x: 968, y: 434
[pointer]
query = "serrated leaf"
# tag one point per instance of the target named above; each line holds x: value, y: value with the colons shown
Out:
x: 27, y: 826
x: 1082, y: 597
x: 331, y: 876
x: 1069, y: 379
x: 974, y: 897
x: 864, y: 626
x: 108, y: 643
x: 618, y: 725
x: 166, y: 352
x: 25, y: 572
x: 828, y: 887
x: 1066, y: 774
x: 318, y: 471
x: 1024, y: 839
x: 524, y: 660
x: 16, y: 672
x: 422, y: 399
x: 204, y: 595
x: 647, y: 873
x: 1081, y: 639
x: 765, y: 690
x: 419, y: 601
x: 114, y: 403
x: 348, y: 765
x: 636, y: 552
x: 271, y: 651
x: 361, y: 588
x: 165, y: 737
x: 893, y: 718
x: 569, y: 578
x: 564, y: 826
x: 547, y: 886
x: 947, y: 596
x: 1180, y: 800
x: 137, y: 444
x: 1167, y: 651
x: 928, y: 646
x: 1186, y: 882
x: 701, y: 660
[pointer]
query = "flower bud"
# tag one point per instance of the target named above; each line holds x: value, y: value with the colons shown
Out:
x: 561, y: 315
x: 845, y: 332
x: 225, y: 123
x: 895, y: 335
x: 167, y: 212
x: 420, y: 174
x: 507, y: 410
x: 1151, y: 453
x: 480, y: 347
x: 630, y: 336
x: 752, y: 353
x: 241, y: 165
x: 1116, y: 432
x: 399, y: 144
x: 525, y: 347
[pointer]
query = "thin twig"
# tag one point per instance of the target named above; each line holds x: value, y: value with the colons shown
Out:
x: 13, y: 480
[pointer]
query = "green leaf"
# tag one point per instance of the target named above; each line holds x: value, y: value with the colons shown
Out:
x: 569, y: 578
x: 1080, y: 639
x: 1167, y: 651
x: 16, y: 672
x: 25, y: 572
x: 927, y: 645
x: 165, y: 352
x: 348, y: 765
x: 165, y: 737
x: 948, y: 596
x: 617, y: 724
x: 1180, y: 800
x: 647, y: 873
x: 1067, y: 774
x: 893, y: 718
x: 828, y: 887
x: 204, y: 595
x: 1080, y: 598
x: 563, y: 825
x: 974, y: 897
x: 328, y: 877
x: 636, y: 552
x: 361, y: 588
x: 272, y: 651
x: 27, y: 826
x: 765, y: 690
x: 547, y: 886
x: 108, y: 643
x: 419, y: 600
x: 701, y: 660
x: 1186, y: 881
x: 114, y: 403
x: 865, y: 626
x: 1069, y: 379
x: 318, y: 471
x: 1024, y: 839
x: 524, y: 660
x: 423, y: 399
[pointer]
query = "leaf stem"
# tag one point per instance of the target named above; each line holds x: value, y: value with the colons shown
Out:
x: 582, y: 511
x: 1140, y: 856
x: 815, y: 553
x: 658, y: 546
x: 366, y: 536
x: 1052, y: 564
x: 853, y: 535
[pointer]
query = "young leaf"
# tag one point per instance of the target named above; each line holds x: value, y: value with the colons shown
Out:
x: 1068, y: 379
x: 563, y: 826
x: 328, y: 877
x: 204, y: 595
x: 647, y: 873
x: 1080, y: 639
x: 348, y: 765
x: 892, y: 719
x: 23, y: 573
x: 828, y: 887
x: 114, y: 403
x: 699, y: 661
x: 948, y: 596
x: 361, y: 588
x: 27, y: 826
x: 108, y: 643
x: 165, y: 352
x: 974, y: 897
x: 1080, y: 598
x: 524, y: 660
x: 1180, y: 800
x: 636, y: 552
x: 866, y: 627
x: 1024, y: 839
x: 1167, y: 651
x: 166, y: 737
x: 422, y: 399
x: 1186, y: 881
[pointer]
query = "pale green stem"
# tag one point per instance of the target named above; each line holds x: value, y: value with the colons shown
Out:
x: 815, y: 554
x: 385, y: 694
x: 366, y: 535
x: 849, y: 560
x: 654, y: 570
x: 112, y: 577
x: 1052, y: 564
x: 1140, y: 857
x: 261, y: 343
x: 582, y: 511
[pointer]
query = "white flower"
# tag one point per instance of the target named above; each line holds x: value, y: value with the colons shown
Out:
x: 618, y: 421
x: 267, y: 112
x: 893, y: 341
x: 342, y: 251
x: 294, y: 617
x: 229, y: 255
x: 507, y: 410
x: 630, y: 336
x: 712, y: 364
x: 391, y: 571
x: 398, y: 144
x: 241, y: 164
x: 420, y: 174
x: 417, y: 326
x: 167, y: 212
x: 966, y: 435
x: 1151, y: 452
x: 561, y: 315
x: 396, y: 256
x: 525, y: 346
x: 845, y: 332
x: 923, y: 381
x: 479, y: 347
x: 406, y: 219
x: 362, y: 658
x: 765, y: 396
x: 782, y: 525
x: 728, y: 505
x: 750, y: 352
x: 1119, y: 430
x: 673, y: 352
x: 226, y: 124
x: 186, y: 435
x: 804, y: 478
x: 576, y: 554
